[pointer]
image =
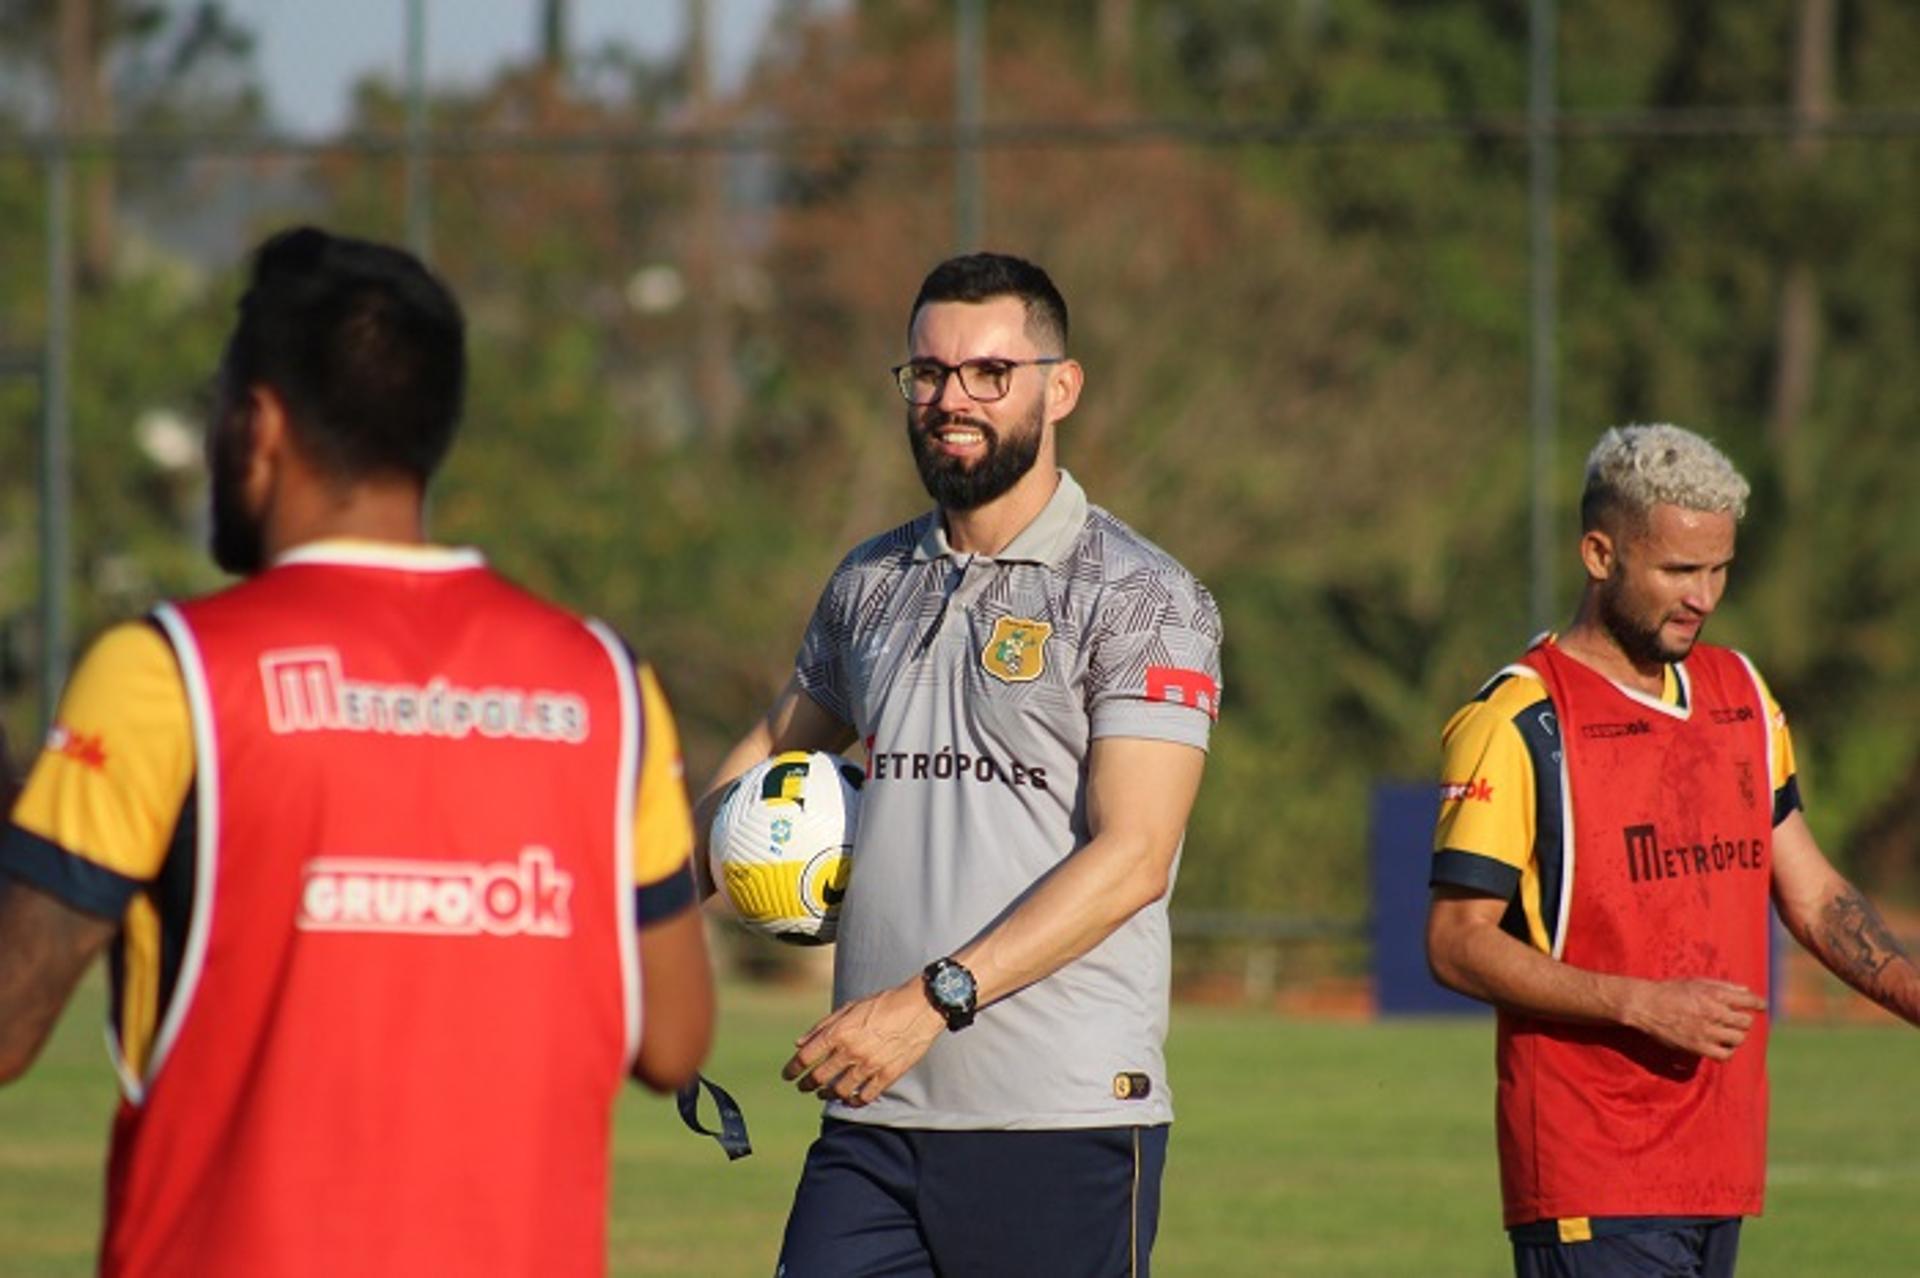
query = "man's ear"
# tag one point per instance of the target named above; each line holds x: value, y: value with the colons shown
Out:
x: 1063, y: 388
x: 1599, y: 553
x: 269, y: 444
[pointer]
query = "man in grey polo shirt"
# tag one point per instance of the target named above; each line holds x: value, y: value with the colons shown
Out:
x: 1033, y: 684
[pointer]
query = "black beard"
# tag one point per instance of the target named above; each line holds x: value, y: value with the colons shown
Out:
x: 1641, y: 644
x: 237, y: 538
x: 957, y: 486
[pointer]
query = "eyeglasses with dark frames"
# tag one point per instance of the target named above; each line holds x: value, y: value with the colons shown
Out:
x: 923, y: 381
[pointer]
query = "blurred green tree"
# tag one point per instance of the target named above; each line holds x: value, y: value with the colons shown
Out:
x: 1307, y: 360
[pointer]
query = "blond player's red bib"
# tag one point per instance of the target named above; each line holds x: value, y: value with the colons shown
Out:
x: 406, y: 998
x: 1671, y: 813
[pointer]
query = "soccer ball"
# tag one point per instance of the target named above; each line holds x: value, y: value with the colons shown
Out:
x: 781, y: 847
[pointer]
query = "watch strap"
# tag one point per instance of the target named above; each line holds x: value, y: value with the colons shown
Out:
x: 959, y: 1015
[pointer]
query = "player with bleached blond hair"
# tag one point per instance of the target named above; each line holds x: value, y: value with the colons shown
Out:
x: 1635, y: 468
x: 1617, y: 809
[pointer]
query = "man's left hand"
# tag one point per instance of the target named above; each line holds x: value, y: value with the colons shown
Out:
x: 862, y: 1049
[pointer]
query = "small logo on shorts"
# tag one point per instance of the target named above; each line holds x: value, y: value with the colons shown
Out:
x: 1131, y: 1085
x: 1016, y: 652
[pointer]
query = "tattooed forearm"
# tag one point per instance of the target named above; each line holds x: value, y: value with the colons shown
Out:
x: 1855, y: 944
x: 1856, y: 937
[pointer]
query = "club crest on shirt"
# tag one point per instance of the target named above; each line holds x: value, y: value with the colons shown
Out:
x: 1016, y: 651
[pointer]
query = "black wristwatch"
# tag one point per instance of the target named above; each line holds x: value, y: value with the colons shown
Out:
x: 952, y: 991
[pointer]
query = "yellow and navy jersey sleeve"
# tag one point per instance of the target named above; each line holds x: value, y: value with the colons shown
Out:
x: 662, y: 817
x: 1498, y: 830
x: 1785, y: 779
x: 101, y: 804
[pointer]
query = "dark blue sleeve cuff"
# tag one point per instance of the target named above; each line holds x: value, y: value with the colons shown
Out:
x: 658, y: 902
x: 1474, y: 872
x: 1786, y: 800
x: 69, y: 879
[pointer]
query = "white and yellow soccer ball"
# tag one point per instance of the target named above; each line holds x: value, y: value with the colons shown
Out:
x: 781, y: 847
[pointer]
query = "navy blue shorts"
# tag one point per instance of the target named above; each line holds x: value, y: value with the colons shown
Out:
x: 1682, y: 1249
x: 909, y: 1203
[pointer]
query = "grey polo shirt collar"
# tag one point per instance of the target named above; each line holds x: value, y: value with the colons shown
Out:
x: 1048, y: 539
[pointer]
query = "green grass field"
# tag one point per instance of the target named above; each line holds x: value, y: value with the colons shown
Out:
x: 1303, y: 1148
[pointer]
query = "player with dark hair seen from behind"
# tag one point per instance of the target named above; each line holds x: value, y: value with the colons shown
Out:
x: 388, y: 856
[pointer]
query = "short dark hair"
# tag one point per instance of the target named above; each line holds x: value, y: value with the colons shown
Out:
x: 980, y: 277
x: 364, y: 346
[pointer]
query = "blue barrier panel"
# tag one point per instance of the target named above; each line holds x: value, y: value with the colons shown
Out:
x: 1402, y: 848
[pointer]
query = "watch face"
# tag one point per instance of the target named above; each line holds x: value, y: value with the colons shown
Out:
x: 953, y: 986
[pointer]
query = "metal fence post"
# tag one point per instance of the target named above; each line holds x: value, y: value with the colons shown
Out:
x: 56, y: 480
x: 1542, y: 153
x: 969, y: 47
x: 419, y: 209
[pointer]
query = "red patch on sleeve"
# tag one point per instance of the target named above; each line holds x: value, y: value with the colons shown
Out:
x: 1480, y: 790
x: 1181, y: 686
x: 91, y: 751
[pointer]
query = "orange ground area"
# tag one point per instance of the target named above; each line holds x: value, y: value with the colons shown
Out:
x: 1811, y: 993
